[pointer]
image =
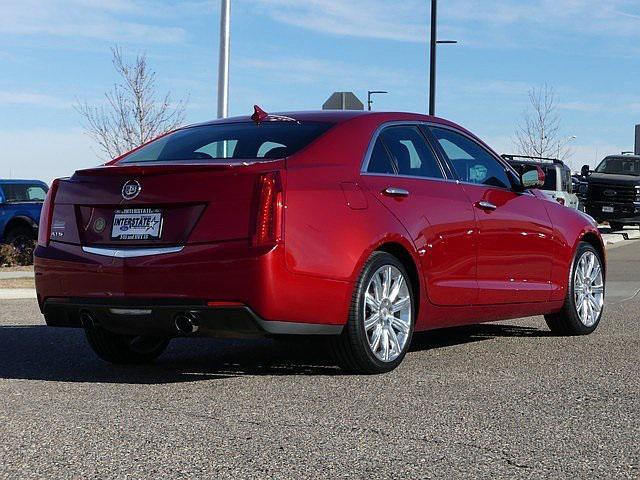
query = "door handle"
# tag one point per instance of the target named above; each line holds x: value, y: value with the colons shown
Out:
x: 486, y: 205
x: 395, y: 192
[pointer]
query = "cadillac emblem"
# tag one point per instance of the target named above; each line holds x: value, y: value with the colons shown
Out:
x: 131, y: 189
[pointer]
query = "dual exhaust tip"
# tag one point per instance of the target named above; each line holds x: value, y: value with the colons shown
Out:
x: 185, y: 323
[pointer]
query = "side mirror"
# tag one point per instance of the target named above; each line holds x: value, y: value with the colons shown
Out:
x: 585, y: 170
x: 532, y: 178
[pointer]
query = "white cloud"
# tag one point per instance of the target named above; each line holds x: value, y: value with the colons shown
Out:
x: 489, y: 23
x: 109, y: 20
x: 296, y: 70
x: 402, y: 21
x: 31, y: 99
x: 44, y: 154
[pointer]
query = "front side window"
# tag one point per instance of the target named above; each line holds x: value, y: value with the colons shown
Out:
x: 230, y: 141
x: 15, y: 193
x: 403, y: 150
x: 470, y: 160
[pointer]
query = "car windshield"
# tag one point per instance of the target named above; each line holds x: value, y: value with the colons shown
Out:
x: 230, y: 141
x: 620, y: 166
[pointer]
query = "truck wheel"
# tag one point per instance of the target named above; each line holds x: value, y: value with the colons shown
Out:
x: 584, y: 303
x: 381, y: 318
x: 616, y: 226
x: 123, y: 349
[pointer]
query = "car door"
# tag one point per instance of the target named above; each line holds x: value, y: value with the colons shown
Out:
x: 515, y: 235
x: 403, y: 173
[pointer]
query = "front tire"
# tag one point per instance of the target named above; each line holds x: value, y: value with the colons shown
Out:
x: 124, y: 349
x: 381, y: 318
x: 584, y: 303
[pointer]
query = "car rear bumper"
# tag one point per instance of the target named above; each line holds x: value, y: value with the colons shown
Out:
x: 229, y: 272
x: 163, y: 318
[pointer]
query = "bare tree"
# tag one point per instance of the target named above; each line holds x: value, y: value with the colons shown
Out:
x: 134, y: 113
x: 539, y: 134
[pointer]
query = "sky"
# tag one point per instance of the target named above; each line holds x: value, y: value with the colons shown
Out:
x: 292, y: 54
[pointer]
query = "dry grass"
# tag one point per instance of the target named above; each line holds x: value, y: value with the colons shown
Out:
x: 12, y: 256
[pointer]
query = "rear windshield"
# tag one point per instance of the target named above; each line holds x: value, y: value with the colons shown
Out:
x: 15, y: 193
x: 230, y: 141
x: 620, y: 165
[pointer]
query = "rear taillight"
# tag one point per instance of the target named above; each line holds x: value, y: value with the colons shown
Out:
x: 269, y: 215
x: 44, y: 227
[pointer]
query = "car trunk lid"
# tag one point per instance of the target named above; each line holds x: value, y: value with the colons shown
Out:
x: 156, y: 205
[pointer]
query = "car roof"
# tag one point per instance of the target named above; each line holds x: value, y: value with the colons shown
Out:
x: 623, y: 157
x: 337, y: 116
x: 20, y: 182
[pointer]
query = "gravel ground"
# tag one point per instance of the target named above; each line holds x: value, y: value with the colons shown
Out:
x: 491, y: 401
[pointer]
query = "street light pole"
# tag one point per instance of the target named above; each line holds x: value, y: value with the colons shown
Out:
x: 223, y: 62
x: 372, y: 92
x: 432, y: 68
x: 433, y: 51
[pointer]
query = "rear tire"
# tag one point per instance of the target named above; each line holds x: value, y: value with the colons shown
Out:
x: 584, y: 303
x: 123, y: 349
x: 381, y: 318
x: 616, y: 226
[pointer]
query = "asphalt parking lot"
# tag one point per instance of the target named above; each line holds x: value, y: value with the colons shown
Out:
x: 491, y: 401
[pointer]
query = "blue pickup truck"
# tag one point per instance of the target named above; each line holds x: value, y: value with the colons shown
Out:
x: 20, y: 206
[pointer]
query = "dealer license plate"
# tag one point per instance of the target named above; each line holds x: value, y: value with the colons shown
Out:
x: 137, y: 224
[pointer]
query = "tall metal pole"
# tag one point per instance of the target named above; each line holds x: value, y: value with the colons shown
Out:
x: 223, y: 63
x: 432, y: 70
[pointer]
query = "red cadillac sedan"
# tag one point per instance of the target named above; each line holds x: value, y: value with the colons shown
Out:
x: 362, y: 227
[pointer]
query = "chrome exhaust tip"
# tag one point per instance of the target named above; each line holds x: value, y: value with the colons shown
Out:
x: 186, y: 323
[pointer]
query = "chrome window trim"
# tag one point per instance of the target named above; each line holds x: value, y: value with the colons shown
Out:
x: 131, y: 252
x: 400, y: 123
x: 489, y: 152
x: 376, y: 134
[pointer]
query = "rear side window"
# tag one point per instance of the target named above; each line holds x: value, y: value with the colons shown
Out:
x: 567, y: 184
x: 550, y: 179
x: 230, y: 141
x: 410, y: 152
x: 403, y: 150
x: 24, y: 193
x: 380, y: 161
x: 471, y: 161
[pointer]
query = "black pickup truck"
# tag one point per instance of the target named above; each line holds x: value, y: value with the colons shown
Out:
x: 613, y: 193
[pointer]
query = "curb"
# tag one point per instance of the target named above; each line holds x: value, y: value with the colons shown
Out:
x: 17, y: 293
x: 14, y: 275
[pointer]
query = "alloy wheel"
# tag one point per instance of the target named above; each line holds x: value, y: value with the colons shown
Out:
x: 588, y: 288
x: 387, y: 313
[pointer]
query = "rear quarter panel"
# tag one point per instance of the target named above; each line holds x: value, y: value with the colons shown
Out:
x: 332, y: 223
x: 330, y: 220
